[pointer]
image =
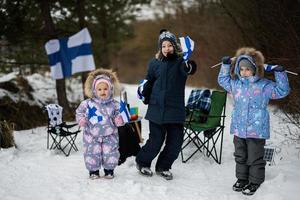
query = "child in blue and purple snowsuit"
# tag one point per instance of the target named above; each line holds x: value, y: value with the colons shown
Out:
x: 99, y: 116
x: 250, y: 117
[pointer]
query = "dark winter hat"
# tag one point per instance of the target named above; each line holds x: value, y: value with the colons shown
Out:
x: 164, y: 35
x: 247, y: 63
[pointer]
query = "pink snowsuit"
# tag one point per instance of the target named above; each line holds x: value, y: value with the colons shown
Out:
x: 100, y: 133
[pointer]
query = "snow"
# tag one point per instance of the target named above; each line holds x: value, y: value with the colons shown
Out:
x: 30, y: 171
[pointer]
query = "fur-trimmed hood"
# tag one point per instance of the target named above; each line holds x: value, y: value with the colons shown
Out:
x: 88, y: 85
x: 255, y: 57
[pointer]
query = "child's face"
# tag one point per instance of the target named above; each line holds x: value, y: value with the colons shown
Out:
x: 102, y: 90
x: 246, y: 72
x: 167, y: 48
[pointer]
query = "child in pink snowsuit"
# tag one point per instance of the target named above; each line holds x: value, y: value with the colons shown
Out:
x: 99, y: 116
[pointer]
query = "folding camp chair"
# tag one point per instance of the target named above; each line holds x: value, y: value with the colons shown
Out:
x: 204, y: 132
x: 62, y: 137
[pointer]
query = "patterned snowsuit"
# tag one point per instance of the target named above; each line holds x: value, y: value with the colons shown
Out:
x: 100, y: 132
x: 101, y: 140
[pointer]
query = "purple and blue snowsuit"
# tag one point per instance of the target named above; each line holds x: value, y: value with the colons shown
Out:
x: 250, y: 118
x: 100, y: 134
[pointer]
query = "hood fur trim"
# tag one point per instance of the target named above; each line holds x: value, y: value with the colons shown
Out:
x: 258, y: 59
x: 88, y: 85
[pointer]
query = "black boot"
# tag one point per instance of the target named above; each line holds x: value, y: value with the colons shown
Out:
x: 94, y: 174
x: 250, y: 189
x: 108, y: 173
x: 239, y: 185
x: 146, y: 171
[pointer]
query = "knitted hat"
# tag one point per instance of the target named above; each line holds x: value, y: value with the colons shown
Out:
x: 246, y: 63
x: 103, y: 79
x: 167, y: 35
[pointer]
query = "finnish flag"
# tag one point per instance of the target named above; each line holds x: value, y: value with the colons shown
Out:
x: 187, y: 46
x: 68, y: 56
x: 124, y: 112
x: 269, y: 67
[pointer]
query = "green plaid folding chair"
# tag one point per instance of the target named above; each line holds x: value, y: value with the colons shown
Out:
x: 204, y: 132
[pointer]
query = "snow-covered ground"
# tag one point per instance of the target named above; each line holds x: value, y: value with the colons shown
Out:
x: 33, y: 172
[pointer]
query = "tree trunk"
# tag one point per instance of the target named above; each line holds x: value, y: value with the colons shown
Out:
x: 82, y: 23
x: 49, y: 30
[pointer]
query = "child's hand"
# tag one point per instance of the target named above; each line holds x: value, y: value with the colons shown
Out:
x: 226, y: 60
x: 82, y: 122
x: 119, y: 121
x: 276, y: 68
x: 191, y: 67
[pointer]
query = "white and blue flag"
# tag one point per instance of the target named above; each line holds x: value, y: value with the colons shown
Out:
x: 124, y: 112
x: 68, y: 56
x: 187, y: 46
x: 269, y: 67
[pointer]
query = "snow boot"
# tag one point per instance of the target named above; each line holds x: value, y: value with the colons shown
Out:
x: 250, y: 189
x: 94, y: 175
x: 108, y: 173
x: 166, y: 174
x: 239, y: 185
x: 146, y: 171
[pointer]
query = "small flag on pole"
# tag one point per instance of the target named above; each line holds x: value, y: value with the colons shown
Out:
x: 71, y: 55
x: 124, y: 112
x: 187, y: 46
x: 269, y: 67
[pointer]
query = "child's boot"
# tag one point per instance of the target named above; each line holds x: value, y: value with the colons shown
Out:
x: 146, y: 171
x: 239, y: 185
x: 108, y: 173
x: 250, y: 189
x: 94, y: 174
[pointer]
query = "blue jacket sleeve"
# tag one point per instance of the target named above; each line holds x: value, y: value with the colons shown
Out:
x: 280, y: 88
x: 224, y: 78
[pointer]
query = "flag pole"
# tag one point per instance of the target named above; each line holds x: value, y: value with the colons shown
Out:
x: 216, y: 65
x: 294, y: 73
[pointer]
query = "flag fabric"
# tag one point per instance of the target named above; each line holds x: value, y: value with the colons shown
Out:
x: 187, y: 46
x: 124, y: 112
x: 140, y: 89
x: 269, y: 67
x: 70, y: 55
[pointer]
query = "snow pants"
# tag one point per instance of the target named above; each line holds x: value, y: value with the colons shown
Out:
x: 249, y: 154
x: 102, y: 151
x: 172, y: 135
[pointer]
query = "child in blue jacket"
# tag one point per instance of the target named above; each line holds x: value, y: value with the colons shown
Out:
x: 250, y: 117
x: 166, y: 112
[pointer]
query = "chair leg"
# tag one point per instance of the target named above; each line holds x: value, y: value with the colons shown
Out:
x: 209, y: 144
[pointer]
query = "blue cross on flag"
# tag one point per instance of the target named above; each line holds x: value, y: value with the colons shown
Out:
x: 124, y: 112
x: 68, y: 56
x: 187, y: 46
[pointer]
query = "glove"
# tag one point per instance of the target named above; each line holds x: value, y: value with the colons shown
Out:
x: 82, y: 122
x: 226, y: 60
x: 191, y: 67
x: 276, y: 68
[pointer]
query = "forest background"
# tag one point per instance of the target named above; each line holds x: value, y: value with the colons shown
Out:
x: 125, y: 35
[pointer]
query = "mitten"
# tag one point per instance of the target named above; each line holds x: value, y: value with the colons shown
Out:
x: 119, y: 121
x: 226, y: 60
x: 82, y: 122
x: 191, y: 67
x: 276, y: 68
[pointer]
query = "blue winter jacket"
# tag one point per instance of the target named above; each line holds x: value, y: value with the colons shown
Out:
x: 250, y: 116
x: 166, y: 104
